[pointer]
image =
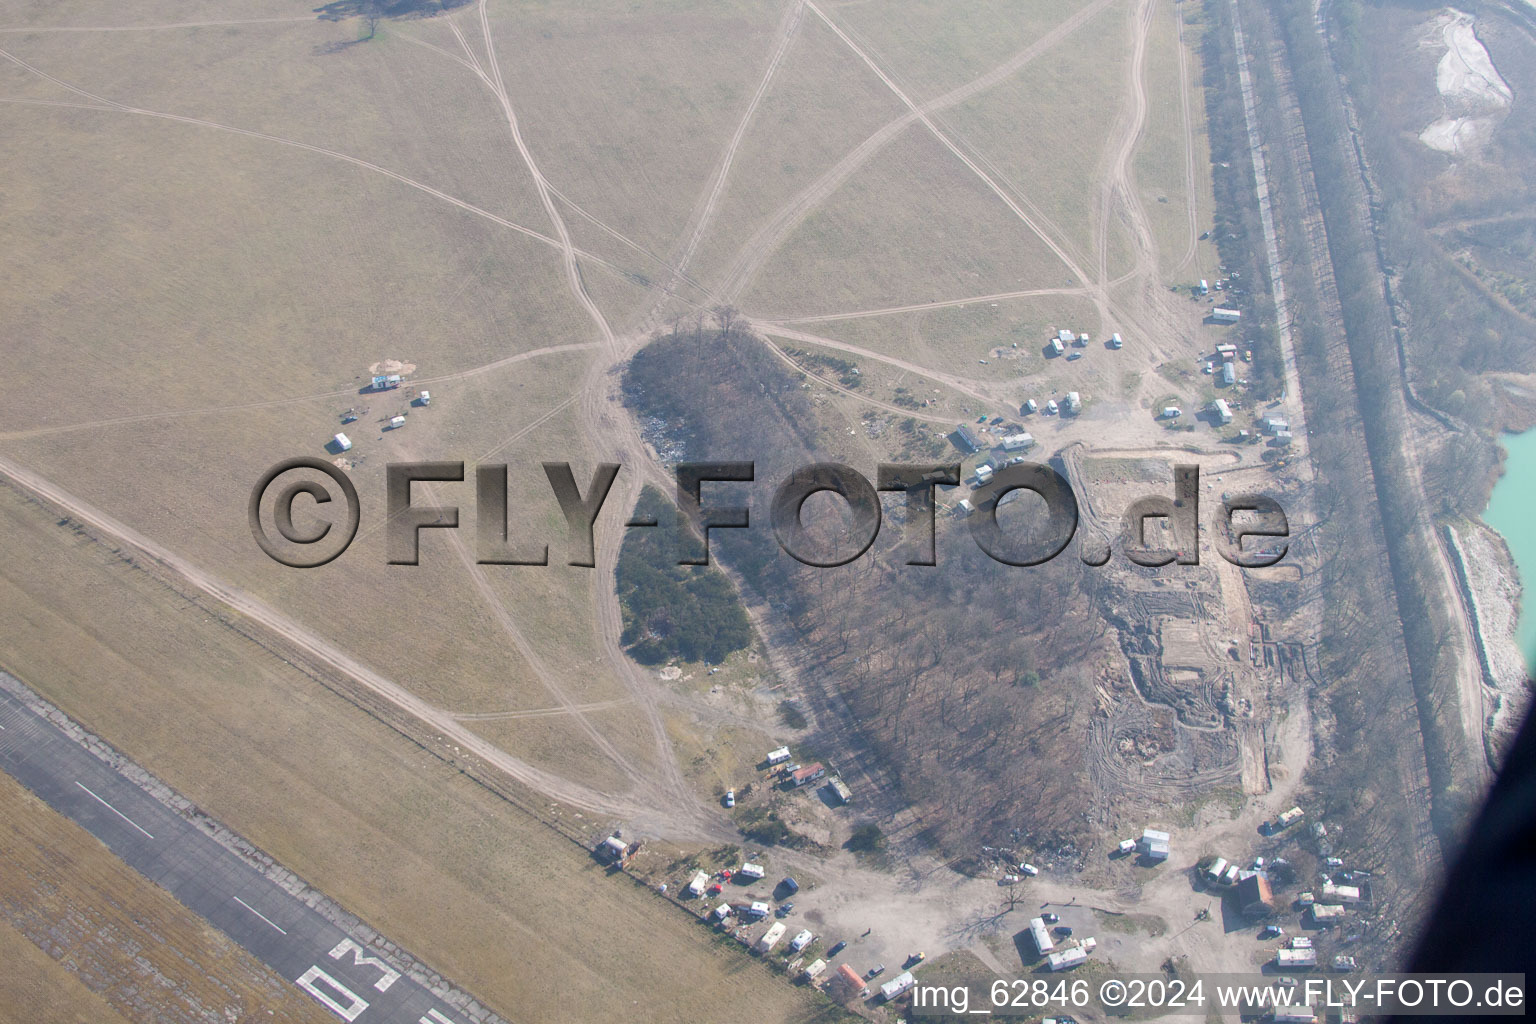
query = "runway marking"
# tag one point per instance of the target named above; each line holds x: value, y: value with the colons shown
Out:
x: 109, y: 807
x: 258, y: 913
x: 433, y: 1017
x: 354, y: 1006
x: 360, y: 959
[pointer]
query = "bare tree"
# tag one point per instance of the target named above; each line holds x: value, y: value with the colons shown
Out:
x: 726, y: 318
x: 372, y: 11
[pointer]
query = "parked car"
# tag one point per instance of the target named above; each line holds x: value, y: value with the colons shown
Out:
x: 730, y: 798
x: 836, y: 949
x: 1062, y: 930
x: 1050, y: 918
x: 914, y: 960
x: 785, y: 909
x: 876, y: 971
x: 1271, y: 931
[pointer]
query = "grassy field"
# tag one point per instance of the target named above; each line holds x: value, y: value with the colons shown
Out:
x: 85, y: 938
x: 951, y: 234
x: 484, y: 893
x: 1159, y: 163
x: 37, y: 988
x: 822, y: 103
x: 217, y: 223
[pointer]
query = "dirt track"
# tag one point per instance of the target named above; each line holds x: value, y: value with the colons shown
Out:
x: 666, y: 804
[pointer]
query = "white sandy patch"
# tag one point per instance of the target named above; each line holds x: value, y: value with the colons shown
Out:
x: 1475, y: 95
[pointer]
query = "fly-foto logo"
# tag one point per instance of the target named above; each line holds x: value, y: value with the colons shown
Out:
x: 1237, y: 518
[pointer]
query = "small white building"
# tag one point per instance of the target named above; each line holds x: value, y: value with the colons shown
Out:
x: 965, y: 507
x: 1074, y: 402
x: 396, y: 422
x: 1228, y: 374
x: 698, y: 885
x: 1295, y: 958
x: 342, y: 442
x: 750, y: 870
x: 1015, y: 442
x: 1205, y: 288
x: 778, y: 756
x: 1064, y: 336
x: 800, y: 941
x: 1340, y: 893
x: 1067, y: 959
x: 1226, y: 316
x: 722, y: 912
x: 1292, y: 816
x: 1172, y: 412
x: 814, y: 971
x: 1217, y: 867
x: 426, y: 398
x: 897, y: 985
x: 983, y: 474
x: 1056, y: 347
x: 771, y: 937
x: 1222, y: 410
x: 1042, y: 937
x: 1127, y: 845
x: 1294, y: 1015
x: 1155, y: 845
x: 1031, y: 406
x: 1082, y: 339
x: 759, y: 909
x: 1327, y: 913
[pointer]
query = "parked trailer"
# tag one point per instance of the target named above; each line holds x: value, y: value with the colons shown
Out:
x: 771, y: 937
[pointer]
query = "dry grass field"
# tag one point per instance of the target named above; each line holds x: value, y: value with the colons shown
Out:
x: 469, y: 882
x: 215, y: 224
x: 85, y: 938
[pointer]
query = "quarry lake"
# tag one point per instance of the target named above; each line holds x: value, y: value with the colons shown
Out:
x: 1510, y: 512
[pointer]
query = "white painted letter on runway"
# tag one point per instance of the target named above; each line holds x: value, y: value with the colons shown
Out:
x: 390, y: 975
x: 347, y: 1013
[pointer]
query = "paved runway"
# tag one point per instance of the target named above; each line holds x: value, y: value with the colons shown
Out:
x: 287, y: 934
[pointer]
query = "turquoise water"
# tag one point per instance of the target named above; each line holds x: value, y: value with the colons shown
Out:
x: 1512, y: 511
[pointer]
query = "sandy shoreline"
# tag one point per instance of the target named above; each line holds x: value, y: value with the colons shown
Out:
x: 1495, y: 592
